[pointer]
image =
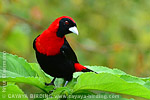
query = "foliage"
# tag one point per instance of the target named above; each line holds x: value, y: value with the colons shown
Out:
x: 18, y: 70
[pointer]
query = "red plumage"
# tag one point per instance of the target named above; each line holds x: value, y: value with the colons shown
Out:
x: 79, y: 67
x: 48, y: 43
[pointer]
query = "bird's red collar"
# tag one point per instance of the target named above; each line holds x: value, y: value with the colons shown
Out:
x: 49, y: 44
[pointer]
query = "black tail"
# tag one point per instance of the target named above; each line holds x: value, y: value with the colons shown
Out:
x: 88, y: 70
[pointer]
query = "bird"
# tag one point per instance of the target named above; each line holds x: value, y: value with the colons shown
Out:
x: 53, y: 52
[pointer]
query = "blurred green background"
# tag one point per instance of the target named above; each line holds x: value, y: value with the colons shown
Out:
x: 113, y: 33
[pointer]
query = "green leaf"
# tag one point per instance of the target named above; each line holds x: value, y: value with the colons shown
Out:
x: 15, y: 66
x: 111, y: 83
x: 35, y: 81
x: 61, y: 92
x: 18, y: 70
x: 147, y: 84
x: 101, y: 69
x: 132, y: 79
x: 40, y: 72
x: 12, y: 92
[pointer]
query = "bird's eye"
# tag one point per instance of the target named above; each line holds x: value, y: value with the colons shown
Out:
x: 66, y: 22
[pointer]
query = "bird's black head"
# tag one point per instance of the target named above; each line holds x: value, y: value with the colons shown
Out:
x: 66, y: 26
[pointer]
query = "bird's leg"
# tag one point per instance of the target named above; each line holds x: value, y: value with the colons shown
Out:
x: 66, y: 83
x: 51, y: 83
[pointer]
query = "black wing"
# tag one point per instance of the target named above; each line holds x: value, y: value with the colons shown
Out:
x: 67, y: 51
